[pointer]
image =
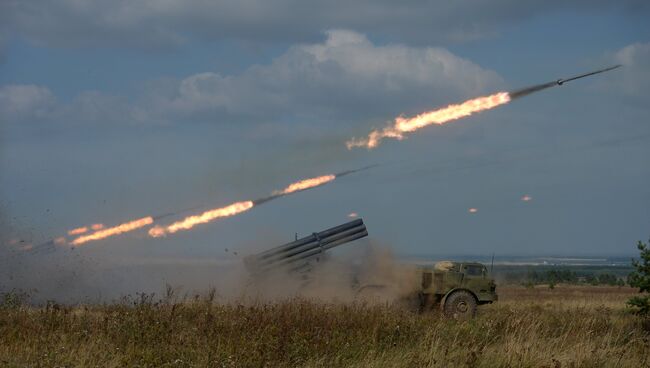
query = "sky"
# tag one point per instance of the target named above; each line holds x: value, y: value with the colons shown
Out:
x: 115, y: 110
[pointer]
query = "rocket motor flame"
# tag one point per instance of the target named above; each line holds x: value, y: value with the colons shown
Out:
x: 207, y: 216
x: 305, y: 184
x: 77, y: 231
x: 440, y: 116
x: 100, y: 232
x: 236, y: 208
x: 111, y: 231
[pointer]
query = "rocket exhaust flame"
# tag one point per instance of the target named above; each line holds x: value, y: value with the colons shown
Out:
x: 100, y: 232
x: 207, y: 216
x: 305, y: 184
x: 239, y: 207
x: 450, y: 113
x: 441, y: 116
x: 77, y: 231
x: 111, y: 231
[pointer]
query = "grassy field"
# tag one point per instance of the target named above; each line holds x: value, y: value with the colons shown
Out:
x: 568, y: 326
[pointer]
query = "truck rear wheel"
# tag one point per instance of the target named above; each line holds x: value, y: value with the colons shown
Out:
x: 460, y: 305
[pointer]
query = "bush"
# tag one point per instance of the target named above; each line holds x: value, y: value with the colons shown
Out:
x: 640, y: 278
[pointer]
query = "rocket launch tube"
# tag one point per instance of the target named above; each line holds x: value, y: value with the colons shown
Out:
x: 316, y: 244
x: 309, y: 239
x: 315, y: 251
x: 306, y: 247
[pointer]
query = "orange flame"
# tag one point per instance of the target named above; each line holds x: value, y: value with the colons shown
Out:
x: 439, y: 116
x: 77, y: 231
x: 305, y: 184
x: 60, y: 241
x: 207, y: 216
x: 116, y: 230
x: 97, y: 226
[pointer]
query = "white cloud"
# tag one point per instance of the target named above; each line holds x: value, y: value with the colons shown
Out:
x: 147, y: 24
x: 22, y: 102
x: 344, y: 78
x: 635, y: 76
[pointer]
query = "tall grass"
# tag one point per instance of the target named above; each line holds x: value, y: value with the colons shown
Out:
x: 564, y: 327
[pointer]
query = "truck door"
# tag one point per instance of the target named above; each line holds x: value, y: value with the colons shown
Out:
x: 474, y: 277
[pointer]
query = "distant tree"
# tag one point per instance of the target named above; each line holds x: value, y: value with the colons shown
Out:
x: 640, y: 278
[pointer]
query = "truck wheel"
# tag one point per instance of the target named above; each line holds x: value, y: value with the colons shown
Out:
x: 460, y: 305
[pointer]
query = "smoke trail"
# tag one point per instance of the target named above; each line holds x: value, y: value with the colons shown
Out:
x: 530, y: 90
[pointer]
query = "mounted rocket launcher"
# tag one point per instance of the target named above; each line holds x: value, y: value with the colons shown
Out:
x: 299, y: 254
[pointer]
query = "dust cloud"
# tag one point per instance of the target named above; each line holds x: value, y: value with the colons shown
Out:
x: 362, y: 272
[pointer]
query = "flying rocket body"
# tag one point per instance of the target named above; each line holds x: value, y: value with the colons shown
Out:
x: 536, y: 88
x: 562, y: 81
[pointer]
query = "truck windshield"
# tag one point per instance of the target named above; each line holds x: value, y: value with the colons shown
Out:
x: 474, y: 270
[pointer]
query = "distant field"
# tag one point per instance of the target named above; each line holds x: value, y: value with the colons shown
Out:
x: 569, y: 326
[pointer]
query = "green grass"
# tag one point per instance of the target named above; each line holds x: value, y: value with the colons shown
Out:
x: 567, y: 326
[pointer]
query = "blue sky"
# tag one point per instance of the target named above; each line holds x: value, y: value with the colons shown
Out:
x: 115, y: 110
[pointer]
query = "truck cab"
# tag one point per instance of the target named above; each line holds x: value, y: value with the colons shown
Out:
x: 457, y: 287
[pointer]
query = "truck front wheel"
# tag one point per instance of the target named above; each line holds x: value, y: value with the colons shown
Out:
x: 460, y: 305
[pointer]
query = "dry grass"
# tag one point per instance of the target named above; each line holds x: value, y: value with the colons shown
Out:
x: 564, y: 327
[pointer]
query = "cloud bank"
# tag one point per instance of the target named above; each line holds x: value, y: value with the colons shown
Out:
x: 342, y: 78
x: 150, y: 24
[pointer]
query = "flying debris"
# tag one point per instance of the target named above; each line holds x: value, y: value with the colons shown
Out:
x: 526, y: 198
x: 473, y: 210
x: 401, y: 125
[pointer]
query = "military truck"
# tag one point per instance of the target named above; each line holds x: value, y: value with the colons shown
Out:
x: 457, y: 287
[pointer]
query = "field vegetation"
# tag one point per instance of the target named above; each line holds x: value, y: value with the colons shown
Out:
x: 568, y: 326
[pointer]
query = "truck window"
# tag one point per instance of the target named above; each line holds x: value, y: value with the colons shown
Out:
x: 473, y: 270
x: 426, y: 280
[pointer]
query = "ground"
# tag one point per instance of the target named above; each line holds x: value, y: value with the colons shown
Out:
x: 568, y: 326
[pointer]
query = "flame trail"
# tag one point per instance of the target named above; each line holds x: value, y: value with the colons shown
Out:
x: 119, y: 229
x: 239, y: 207
x: 305, y: 184
x: 440, y: 116
x: 100, y: 232
x: 207, y: 216
x: 453, y: 112
x: 77, y: 231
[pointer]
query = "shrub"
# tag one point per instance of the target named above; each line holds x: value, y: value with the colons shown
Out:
x: 640, y: 278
